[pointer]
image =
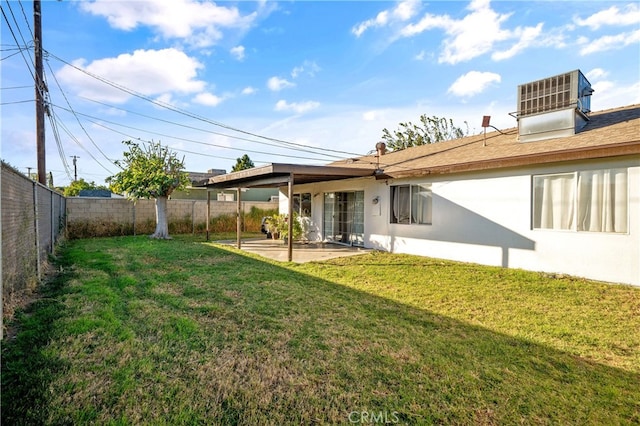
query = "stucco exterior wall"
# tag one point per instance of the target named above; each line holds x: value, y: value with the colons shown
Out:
x: 485, y: 217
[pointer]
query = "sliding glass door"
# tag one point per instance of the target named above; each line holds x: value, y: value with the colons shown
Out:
x: 344, y: 218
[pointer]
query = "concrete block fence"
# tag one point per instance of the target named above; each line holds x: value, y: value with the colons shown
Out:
x: 32, y: 222
x: 126, y: 214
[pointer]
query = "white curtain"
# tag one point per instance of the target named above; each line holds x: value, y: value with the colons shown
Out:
x: 602, y: 200
x: 556, y: 198
x: 420, y: 204
x: 401, y: 199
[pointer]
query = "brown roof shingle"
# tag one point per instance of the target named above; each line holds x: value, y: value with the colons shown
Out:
x: 609, y: 133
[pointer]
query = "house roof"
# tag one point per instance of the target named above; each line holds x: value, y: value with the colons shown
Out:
x: 608, y: 133
x: 278, y: 174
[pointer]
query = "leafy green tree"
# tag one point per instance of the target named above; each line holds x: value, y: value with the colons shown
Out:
x: 78, y: 185
x: 243, y: 163
x: 430, y: 130
x: 151, y: 171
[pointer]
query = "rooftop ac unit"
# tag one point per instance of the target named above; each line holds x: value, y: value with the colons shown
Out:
x: 553, y: 107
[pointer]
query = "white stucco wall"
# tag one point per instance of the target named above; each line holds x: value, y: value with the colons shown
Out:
x: 485, y: 217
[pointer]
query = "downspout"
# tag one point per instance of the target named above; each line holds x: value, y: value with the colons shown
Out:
x: 290, y: 220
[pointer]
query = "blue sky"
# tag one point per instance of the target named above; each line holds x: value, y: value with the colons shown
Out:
x: 292, y: 82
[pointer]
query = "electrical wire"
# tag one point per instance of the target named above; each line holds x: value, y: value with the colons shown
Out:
x: 306, y: 149
x: 17, y: 102
x: 16, y: 87
x: 77, y: 118
x: 56, y: 136
x: 68, y: 132
x: 99, y: 123
x: 187, y: 113
x: 33, y: 76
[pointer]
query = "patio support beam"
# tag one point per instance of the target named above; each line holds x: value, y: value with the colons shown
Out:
x: 290, y: 220
x: 239, y: 219
x: 208, y: 211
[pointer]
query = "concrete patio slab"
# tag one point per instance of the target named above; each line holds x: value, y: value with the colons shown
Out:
x: 302, y: 252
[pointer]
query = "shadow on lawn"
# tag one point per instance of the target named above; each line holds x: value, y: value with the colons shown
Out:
x: 339, y: 351
x: 27, y: 367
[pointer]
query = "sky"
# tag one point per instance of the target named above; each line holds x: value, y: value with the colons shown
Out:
x: 302, y: 82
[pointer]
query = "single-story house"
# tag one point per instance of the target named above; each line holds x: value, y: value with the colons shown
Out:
x: 560, y: 193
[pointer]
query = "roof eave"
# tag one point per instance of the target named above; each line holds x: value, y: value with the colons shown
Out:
x: 622, y: 149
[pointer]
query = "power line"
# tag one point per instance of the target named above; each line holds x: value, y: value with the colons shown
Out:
x: 76, y: 116
x: 68, y: 132
x: 187, y: 113
x: 305, y: 149
x: 21, y: 50
x: 182, y: 139
x: 16, y: 87
x: 17, y: 102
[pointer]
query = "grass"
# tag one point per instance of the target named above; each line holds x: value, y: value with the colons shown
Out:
x: 136, y: 331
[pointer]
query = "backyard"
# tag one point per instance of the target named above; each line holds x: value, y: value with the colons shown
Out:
x: 138, y: 331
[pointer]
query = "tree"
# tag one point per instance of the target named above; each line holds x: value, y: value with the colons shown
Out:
x: 432, y: 129
x: 151, y: 171
x: 76, y: 186
x: 243, y: 163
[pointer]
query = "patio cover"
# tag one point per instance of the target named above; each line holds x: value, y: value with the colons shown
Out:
x: 277, y: 175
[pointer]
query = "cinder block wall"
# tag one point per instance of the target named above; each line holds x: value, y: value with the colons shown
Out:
x: 32, y: 222
x: 128, y: 213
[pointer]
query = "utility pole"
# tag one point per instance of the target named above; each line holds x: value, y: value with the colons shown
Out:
x: 40, y: 89
x: 75, y: 169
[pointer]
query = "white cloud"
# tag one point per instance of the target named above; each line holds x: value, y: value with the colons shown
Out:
x: 208, y: 99
x: 528, y: 36
x: 420, y: 56
x: 237, y: 52
x: 149, y: 72
x: 473, y: 83
x: 371, y: 115
x: 297, y: 107
x: 249, y: 90
x: 611, y: 42
x: 475, y: 34
x: 197, y: 22
x: 308, y: 67
x: 596, y: 74
x: 379, y: 21
x: 612, y: 16
x: 404, y: 11
x: 610, y: 94
x: 276, y: 84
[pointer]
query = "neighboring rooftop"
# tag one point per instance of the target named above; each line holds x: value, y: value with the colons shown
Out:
x: 199, y: 177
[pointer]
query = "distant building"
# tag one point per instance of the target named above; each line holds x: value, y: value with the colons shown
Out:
x: 102, y: 193
x: 196, y: 192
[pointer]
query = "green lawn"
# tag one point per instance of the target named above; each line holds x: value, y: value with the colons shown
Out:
x: 136, y: 331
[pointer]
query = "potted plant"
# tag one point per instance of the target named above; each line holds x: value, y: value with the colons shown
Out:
x: 278, y: 226
x: 297, y: 228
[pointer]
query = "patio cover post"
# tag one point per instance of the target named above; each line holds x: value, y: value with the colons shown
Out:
x: 239, y: 221
x: 290, y: 220
x: 208, y: 211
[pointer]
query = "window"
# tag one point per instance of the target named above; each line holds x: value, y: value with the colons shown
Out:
x: 411, y: 204
x: 302, y: 204
x: 594, y: 201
